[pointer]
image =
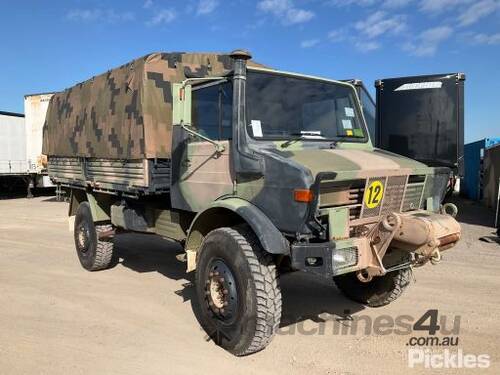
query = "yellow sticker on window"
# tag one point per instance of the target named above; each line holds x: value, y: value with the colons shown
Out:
x: 374, y: 194
x: 349, y: 133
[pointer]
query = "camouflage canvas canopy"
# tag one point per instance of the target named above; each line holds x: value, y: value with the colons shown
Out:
x: 125, y: 113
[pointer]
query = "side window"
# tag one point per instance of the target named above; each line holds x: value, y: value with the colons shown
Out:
x: 205, y: 111
x: 212, y: 111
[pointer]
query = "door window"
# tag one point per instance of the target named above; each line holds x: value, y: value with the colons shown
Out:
x: 212, y: 111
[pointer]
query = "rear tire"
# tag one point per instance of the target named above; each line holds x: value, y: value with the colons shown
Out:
x: 238, y: 293
x: 381, y: 291
x: 94, y: 253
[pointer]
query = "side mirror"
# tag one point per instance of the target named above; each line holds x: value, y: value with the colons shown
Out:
x: 181, y: 104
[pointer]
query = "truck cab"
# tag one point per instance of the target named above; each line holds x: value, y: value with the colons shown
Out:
x: 297, y: 149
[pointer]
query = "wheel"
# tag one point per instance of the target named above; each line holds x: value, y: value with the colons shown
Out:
x: 94, y: 253
x: 238, y: 293
x: 380, y: 291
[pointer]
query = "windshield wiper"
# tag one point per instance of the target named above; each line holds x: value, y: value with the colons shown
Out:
x: 308, y: 133
x: 342, y: 138
x: 300, y: 136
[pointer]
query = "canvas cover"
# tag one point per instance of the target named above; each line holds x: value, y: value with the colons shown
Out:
x: 125, y: 113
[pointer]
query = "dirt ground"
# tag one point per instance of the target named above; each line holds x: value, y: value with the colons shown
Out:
x: 136, y: 318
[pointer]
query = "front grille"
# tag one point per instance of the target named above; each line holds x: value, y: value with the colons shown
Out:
x: 393, y: 195
x: 355, y: 212
x: 332, y: 195
x: 394, y: 191
x: 413, y: 196
x: 400, y: 194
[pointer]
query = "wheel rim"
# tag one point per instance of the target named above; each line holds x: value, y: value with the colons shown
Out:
x: 82, y: 238
x: 221, y: 295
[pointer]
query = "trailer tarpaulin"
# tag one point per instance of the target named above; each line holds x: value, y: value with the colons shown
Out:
x: 125, y: 113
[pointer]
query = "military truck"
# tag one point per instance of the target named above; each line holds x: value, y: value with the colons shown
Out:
x: 255, y: 172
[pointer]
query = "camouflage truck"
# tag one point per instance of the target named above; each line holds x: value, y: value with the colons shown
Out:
x: 255, y: 172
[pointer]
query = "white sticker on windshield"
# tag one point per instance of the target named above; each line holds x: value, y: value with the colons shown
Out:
x: 256, y: 128
x: 349, y: 112
x: 347, y: 124
x: 311, y: 132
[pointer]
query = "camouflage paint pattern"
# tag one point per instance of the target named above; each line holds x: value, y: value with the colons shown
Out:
x: 205, y: 174
x: 125, y: 113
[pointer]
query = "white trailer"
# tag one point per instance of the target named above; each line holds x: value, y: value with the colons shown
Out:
x: 35, y: 109
x: 13, y: 160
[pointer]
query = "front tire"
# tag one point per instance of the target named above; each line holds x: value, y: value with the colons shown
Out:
x: 94, y: 253
x: 238, y: 293
x: 380, y: 291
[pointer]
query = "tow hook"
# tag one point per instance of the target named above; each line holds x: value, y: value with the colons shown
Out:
x: 364, y: 276
x: 435, y: 257
x: 449, y: 209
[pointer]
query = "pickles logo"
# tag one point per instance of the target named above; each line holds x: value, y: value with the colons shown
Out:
x: 374, y: 194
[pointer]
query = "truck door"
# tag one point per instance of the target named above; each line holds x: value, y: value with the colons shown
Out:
x: 205, y: 172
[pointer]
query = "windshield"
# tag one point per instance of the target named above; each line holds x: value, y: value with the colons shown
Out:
x: 284, y: 107
x: 368, y: 111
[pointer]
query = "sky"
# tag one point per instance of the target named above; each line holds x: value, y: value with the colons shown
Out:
x: 51, y: 45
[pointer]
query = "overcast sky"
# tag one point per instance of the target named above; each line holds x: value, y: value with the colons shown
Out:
x: 51, y: 45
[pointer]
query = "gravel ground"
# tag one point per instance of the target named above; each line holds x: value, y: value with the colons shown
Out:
x: 136, y: 318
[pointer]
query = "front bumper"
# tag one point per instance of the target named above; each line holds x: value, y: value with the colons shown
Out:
x: 417, y: 236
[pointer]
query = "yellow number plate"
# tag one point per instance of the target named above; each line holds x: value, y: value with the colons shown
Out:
x: 374, y: 194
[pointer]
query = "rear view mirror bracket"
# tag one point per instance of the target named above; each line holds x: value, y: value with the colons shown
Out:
x: 218, y: 147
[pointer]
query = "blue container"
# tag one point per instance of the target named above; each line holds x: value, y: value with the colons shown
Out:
x: 490, y: 142
x: 471, y: 186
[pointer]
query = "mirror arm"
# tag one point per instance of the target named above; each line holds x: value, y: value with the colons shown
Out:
x: 218, y: 147
x: 201, y: 79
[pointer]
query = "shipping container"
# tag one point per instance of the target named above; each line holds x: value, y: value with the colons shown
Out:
x: 472, y: 186
x: 491, y: 175
x: 422, y: 117
x: 35, y: 108
x: 12, y: 144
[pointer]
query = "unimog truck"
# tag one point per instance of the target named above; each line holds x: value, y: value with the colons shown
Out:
x: 255, y: 172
